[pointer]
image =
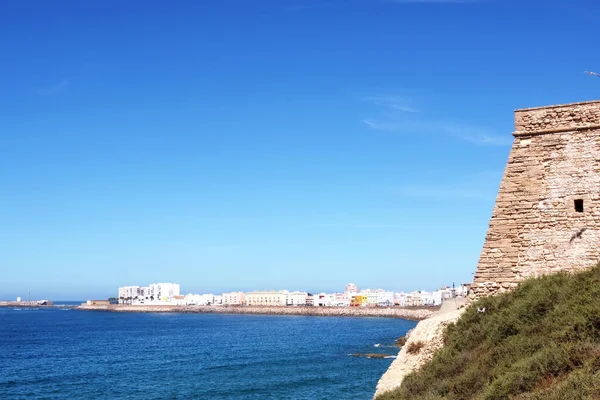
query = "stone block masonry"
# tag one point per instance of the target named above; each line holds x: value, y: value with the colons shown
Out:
x: 547, y: 212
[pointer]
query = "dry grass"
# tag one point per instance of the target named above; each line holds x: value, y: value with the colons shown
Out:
x: 415, y: 347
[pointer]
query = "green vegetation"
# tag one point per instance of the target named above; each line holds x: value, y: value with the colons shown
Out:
x: 540, y: 342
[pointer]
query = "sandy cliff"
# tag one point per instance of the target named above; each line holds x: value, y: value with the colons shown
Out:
x: 429, y: 332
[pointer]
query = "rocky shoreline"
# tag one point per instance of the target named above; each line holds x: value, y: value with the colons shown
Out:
x: 385, y: 312
x: 420, y: 344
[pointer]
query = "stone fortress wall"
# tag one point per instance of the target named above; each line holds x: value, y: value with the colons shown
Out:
x: 547, y: 212
x: 546, y: 217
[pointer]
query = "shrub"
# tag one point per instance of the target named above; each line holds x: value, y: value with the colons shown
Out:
x: 415, y: 347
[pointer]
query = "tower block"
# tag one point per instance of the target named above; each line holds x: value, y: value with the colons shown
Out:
x: 547, y: 213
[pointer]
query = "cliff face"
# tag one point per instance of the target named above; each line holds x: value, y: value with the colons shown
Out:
x: 429, y: 333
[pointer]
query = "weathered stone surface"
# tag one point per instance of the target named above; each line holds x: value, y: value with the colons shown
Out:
x: 535, y: 228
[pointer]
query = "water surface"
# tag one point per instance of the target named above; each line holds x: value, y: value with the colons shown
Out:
x: 69, y: 354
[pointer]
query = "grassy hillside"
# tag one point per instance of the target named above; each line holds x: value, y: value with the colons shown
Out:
x: 541, y: 341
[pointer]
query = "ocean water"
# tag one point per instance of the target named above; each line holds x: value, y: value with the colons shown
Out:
x: 70, y: 354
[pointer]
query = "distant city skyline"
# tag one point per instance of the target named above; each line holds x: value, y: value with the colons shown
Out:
x: 237, y: 145
x: 342, y: 289
x: 169, y: 293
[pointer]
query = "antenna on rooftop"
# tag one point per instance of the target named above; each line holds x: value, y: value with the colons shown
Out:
x: 592, y: 73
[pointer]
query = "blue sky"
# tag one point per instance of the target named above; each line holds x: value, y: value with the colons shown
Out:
x: 237, y: 145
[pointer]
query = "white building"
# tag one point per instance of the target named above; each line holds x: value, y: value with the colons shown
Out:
x: 199, y: 299
x: 233, y: 298
x: 295, y: 298
x: 144, y: 293
x: 419, y: 298
x: 385, y: 299
x: 432, y: 298
x: 324, y: 299
x: 414, y: 299
x: 163, y: 292
x: 129, y: 294
x: 155, y: 293
x: 458, y: 291
x: 378, y: 297
x: 372, y: 297
x: 217, y: 300
x: 341, y: 300
x: 319, y: 299
x: 400, y: 299
x: 462, y: 290
x: 449, y: 292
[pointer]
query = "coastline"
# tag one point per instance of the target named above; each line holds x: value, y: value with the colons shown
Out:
x: 384, y: 312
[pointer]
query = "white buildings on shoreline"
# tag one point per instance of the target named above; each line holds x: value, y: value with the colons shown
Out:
x: 169, y: 294
x: 155, y: 293
x: 275, y: 298
x: 199, y: 299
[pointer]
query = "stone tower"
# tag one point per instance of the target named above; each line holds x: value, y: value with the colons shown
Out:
x: 547, y: 213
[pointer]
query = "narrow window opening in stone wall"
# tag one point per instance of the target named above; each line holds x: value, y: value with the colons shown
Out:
x: 579, y: 205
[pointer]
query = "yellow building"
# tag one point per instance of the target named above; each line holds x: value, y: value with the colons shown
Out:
x: 359, y: 301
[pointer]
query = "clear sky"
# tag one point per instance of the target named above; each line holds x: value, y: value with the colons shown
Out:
x: 267, y: 144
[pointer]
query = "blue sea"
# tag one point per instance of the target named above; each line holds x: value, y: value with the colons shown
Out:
x: 70, y: 354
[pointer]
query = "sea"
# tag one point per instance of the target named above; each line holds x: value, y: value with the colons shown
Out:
x: 62, y: 353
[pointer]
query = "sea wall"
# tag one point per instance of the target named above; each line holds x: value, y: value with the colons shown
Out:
x: 389, y: 312
x: 42, y: 303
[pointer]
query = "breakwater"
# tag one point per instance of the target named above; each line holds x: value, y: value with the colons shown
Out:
x: 42, y: 303
x: 387, y: 312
